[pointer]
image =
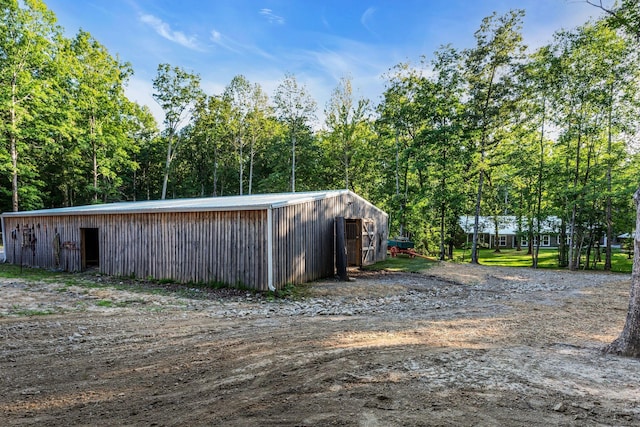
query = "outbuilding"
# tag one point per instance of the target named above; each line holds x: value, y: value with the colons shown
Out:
x: 260, y: 241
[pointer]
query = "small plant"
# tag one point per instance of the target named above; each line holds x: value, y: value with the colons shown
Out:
x: 104, y: 303
x: 17, y: 311
x: 289, y: 291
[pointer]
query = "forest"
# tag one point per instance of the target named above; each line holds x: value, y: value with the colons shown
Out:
x: 490, y: 130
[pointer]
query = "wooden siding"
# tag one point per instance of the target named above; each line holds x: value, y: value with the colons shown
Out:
x: 226, y: 247
x: 304, y: 236
x: 212, y: 246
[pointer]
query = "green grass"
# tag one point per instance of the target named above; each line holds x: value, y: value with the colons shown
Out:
x: 104, y: 303
x: 25, y: 312
x: 401, y: 263
x: 10, y: 271
x: 290, y: 292
x: 547, y: 258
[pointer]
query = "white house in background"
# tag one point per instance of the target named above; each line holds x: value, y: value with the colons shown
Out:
x: 509, y: 231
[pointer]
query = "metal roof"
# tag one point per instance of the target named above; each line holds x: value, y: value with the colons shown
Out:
x: 507, y: 224
x: 226, y: 203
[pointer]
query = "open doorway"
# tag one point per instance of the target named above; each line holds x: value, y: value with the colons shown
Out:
x: 89, y: 243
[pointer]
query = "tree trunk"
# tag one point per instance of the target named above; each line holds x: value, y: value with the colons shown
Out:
x: 442, y: 231
x: 536, y: 252
x: 573, y: 256
x: 293, y: 160
x: 14, y: 149
x: 346, y: 170
x: 241, y: 165
x: 94, y: 153
x: 609, y: 208
x: 397, y: 166
x: 476, y: 220
x: 215, y: 171
x: 628, y: 343
x: 251, y: 156
x: 165, y: 181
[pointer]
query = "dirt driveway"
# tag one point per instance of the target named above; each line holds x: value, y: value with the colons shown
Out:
x: 457, y: 345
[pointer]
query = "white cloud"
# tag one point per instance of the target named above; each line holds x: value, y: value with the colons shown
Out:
x: 366, y: 18
x: 164, y: 30
x: 271, y: 17
x: 223, y: 42
x: 233, y: 46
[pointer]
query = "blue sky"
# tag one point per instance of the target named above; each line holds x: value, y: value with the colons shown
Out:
x: 318, y: 41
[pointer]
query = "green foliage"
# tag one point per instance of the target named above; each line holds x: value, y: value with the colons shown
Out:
x: 24, y: 312
x: 104, y: 303
x: 486, y: 130
x: 176, y: 91
x: 290, y: 291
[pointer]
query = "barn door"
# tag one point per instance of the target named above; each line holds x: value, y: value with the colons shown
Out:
x: 368, y: 251
x: 361, y: 241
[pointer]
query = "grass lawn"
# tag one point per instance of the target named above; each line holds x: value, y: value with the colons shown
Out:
x: 402, y: 263
x: 547, y: 258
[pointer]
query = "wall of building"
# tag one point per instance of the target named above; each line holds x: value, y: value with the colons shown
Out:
x: 228, y: 246
x: 304, y: 236
x: 202, y: 247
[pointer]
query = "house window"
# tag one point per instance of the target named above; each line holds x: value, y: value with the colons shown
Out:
x: 503, y: 240
x: 546, y: 241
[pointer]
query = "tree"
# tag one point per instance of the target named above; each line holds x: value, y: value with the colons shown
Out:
x: 258, y: 126
x: 346, y: 121
x: 175, y: 91
x: 592, y: 100
x: 625, y: 15
x: 444, y: 151
x: 210, y: 142
x: 101, y: 113
x: 536, y: 81
x: 399, y: 124
x: 143, y: 131
x: 628, y: 342
x: 296, y: 108
x: 27, y: 48
x: 238, y: 95
x: 489, y: 67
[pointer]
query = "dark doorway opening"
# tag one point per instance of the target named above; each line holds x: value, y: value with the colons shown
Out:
x: 90, y: 247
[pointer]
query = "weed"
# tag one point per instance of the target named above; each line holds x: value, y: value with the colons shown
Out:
x: 104, y: 303
x: 289, y: 291
x: 17, y: 311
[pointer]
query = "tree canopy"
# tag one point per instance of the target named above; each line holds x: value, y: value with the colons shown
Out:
x: 490, y: 130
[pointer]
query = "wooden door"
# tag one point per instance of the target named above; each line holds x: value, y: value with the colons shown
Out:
x: 361, y: 241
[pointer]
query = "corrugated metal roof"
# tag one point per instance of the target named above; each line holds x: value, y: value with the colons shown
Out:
x: 507, y: 225
x: 226, y: 203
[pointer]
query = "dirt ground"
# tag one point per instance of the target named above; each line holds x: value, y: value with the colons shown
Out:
x: 455, y: 345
